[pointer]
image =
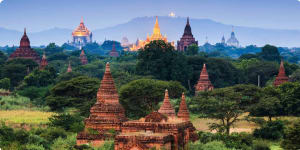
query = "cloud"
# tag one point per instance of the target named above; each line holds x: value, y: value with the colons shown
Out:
x: 1, y: 1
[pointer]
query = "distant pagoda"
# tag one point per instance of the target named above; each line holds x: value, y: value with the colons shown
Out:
x: 25, y: 51
x: 83, y: 58
x: 81, y: 35
x: 44, y: 62
x: 187, y: 38
x: 233, y: 41
x: 156, y: 35
x: 204, y: 83
x: 107, y: 114
x: 166, y: 108
x: 113, y: 52
x: 69, y: 67
x: 281, y: 77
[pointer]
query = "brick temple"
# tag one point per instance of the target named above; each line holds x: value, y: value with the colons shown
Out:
x: 114, y: 52
x: 160, y: 129
x: 44, y: 62
x: 83, y: 58
x: 204, y: 83
x: 281, y: 77
x: 187, y: 38
x: 25, y: 51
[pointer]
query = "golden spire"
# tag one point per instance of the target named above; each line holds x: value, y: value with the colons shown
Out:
x: 156, y: 30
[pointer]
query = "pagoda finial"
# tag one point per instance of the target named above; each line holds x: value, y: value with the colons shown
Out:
x: 166, y: 108
x: 188, y: 20
x: 81, y: 21
x: 183, y: 112
x: 232, y: 28
x: 156, y: 29
x: 24, y: 31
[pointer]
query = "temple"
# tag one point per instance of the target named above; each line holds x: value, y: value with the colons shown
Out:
x: 156, y: 35
x: 69, y: 67
x: 160, y: 130
x: 204, y: 83
x: 187, y: 38
x: 81, y: 36
x: 25, y: 51
x: 44, y: 62
x: 83, y: 58
x: 233, y: 41
x: 281, y: 77
x: 223, y: 41
x: 114, y: 52
x: 106, y: 115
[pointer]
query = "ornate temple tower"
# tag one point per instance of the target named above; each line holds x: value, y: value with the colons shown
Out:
x: 69, y: 67
x: 183, y: 112
x: 81, y: 35
x: 166, y: 108
x: 83, y: 58
x: 204, y: 83
x: 25, y: 51
x: 233, y: 41
x: 281, y: 77
x: 44, y: 62
x: 187, y: 38
x: 223, y: 41
x: 113, y: 52
x: 107, y: 114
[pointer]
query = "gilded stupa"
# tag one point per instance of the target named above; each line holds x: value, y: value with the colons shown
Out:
x: 156, y: 35
x: 81, y: 35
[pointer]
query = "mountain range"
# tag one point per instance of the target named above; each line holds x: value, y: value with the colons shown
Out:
x: 173, y: 27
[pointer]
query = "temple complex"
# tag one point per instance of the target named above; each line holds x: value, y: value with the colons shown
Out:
x: 156, y: 35
x: 204, y: 83
x: 83, y: 58
x: 81, y: 35
x: 25, y: 51
x: 69, y: 67
x: 187, y: 38
x: 160, y: 130
x: 114, y: 52
x: 281, y: 77
x: 44, y: 62
x: 233, y: 41
x: 106, y: 115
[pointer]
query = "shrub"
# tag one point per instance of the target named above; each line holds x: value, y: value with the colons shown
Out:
x: 272, y: 130
x: 215, y: 145
x: 34, y: 147
x: 5, y: 83
x: 291, y: 139
x: 68, y: 122
x: 261, y: 145
x: 62, y: 144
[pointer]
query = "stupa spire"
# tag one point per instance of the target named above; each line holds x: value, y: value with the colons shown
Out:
x: 204, y: 83
x: 281, y: 77
x: 156, y: 29
x: 183, y: 112
x: 44, y: 62
x: 83, y: 57
x: 166, y: 108
x: 69, y: 67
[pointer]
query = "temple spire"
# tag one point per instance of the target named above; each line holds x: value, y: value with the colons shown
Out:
x: 81, y: 21
x: 204, y: 83
x: 44, y: 62
x: 281, y: 77
x: 24, y: 31
x: 166, y: 108
x: 183, y: 112
x: 156, y: 29
x: 69, y: 67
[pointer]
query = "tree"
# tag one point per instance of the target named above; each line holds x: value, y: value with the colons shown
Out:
x: 77, y: 93
x: 160, y: 60
x: 295, y: 77
x: 291, y: 139
x: 290, y: 98
x: 5, y: 83
x: 140, y: 97
x: 270, y: 53
x: 225, y: 105
x: 3, y: 58
x: 192, y: 50
x: 40, y: 78
x: 53, y: 48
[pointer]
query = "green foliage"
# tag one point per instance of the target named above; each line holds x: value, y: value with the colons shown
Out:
x: 295, y: 77
x: 94, y: 69
x: 3, y: 58
x: 36, y: 94
x: 159, y: 59
x: 53, y: 48
x: 261, y: 145
x: 192, y: 50
x: 270, y: 53
x: 140, y: 97
x: 78, y: 92
x: 291, y: 139
x: 64, y: 143
x: 272, y: 130
x: 5, y: 83
x: 290, y: 98
x: 40, y: 78
x: 67, y: 76
x: 215, y: 145
x: 72, y: 123
x: 17, y: 103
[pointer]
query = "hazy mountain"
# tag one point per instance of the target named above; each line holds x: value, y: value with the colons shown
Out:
x: 172, y: 27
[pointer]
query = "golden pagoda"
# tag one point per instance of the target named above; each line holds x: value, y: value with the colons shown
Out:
x: 81, y: 35
x: 156, y: 35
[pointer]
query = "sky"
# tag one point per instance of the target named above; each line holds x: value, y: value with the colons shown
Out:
x: 38, y: 15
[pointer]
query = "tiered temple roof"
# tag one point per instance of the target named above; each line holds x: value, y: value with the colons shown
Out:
x: 81, y: 30
x: 44, y: 62
x: 113, y: 52
x: 281, y: 77
x: 166, y: 108
x: 183, y: 112
x: 83, y: 58
x: 25, y: 51
x: 204, y: 83
x: 187, y: 38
